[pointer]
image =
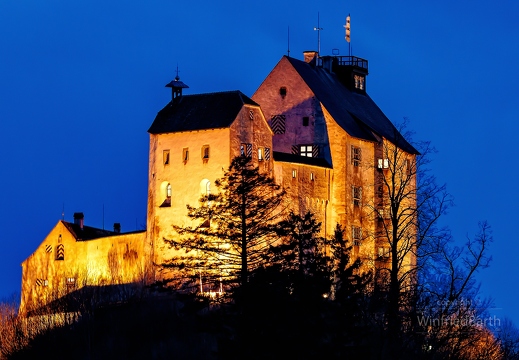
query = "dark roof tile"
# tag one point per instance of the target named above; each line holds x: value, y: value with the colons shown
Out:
x: 356, y: 113
x: 200, y: 111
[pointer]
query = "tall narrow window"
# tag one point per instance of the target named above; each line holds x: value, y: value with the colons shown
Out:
x: 249, y: 150
x: 294, y: 173
x: 260, y: 154
x: 251, y: 114
x: 356, y: 235
x: 165, y: 157
x: 357, y: 195
x: 267, y: 153
x: 356, y: 155
x: 359, y: 82
x: 205, y: 152
x: 168, y: 191
x: 185, y: 154
x: 306, y: 120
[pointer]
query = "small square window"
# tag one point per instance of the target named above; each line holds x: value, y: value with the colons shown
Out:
x: 383, y: 252
x: 306, y: 150
x: 306, y: 120
x: 165, y: 157
x: 283, y: 91
x: 71, y: 282
x: 205, y: 152
x: 185, y: 154
x: 383, y: 163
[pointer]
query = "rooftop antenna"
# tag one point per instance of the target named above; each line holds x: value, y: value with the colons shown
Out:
x: 318, y: 29
x: 288, y: 41
x: 347, y: 35
x: 177, y: 78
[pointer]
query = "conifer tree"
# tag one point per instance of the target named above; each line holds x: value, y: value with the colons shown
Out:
x: 236, y: 227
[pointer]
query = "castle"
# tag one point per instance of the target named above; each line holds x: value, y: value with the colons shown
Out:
x: 310, y: 124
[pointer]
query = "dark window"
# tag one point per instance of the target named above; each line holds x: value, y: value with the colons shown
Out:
x: 283, y: 91
x: 251, y: 114
x: 357, y: 195
x: 165, y: 156
x: 356, y: 235
x: 356, y: 155
x: 205, y: 152
x: 185, y: 154
x: 306, y: 120
x: 267, y: 153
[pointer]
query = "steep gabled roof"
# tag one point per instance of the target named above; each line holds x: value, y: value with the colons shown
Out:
x: 356, y: 113
x: 200, y: 111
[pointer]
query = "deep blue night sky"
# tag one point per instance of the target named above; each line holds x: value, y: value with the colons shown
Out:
x: 81, y: 81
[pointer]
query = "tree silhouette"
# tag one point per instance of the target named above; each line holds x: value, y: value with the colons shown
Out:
x: 236, y: 227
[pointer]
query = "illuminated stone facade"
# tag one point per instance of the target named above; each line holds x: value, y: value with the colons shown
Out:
x: 310, y: 124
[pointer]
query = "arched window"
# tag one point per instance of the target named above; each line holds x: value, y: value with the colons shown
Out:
x: 165, y: 194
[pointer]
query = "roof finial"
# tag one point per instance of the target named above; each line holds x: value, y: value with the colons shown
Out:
x: 318, y: 35
x: 177, y: 78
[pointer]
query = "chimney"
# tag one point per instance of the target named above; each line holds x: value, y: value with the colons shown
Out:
x: 310, y: 57
x: 117, y: 228
x: 79, y: 219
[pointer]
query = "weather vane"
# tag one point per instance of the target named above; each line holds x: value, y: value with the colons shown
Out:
x: 318, y: 29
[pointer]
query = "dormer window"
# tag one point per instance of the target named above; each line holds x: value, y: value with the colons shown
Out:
x: 359, y: 82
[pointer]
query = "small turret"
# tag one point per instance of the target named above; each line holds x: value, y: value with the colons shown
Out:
x: 176, y: 87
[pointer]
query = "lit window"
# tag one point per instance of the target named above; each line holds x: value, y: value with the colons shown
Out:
x: 165, y: 157
x: 306, y: 120
x: 356, y: 234
x: 60, y: 252
x: 359, y: 82
x: 356, y: 155
x: 383, y: 163
x: 305, y: 150
x: 165, y: 193
x: 294, y: 173
x: 205, y: 152
x: 260, y: 154
x: 185, y: 154
x: 311, y: 176
x: 357, y: 195
x: 71, y: 282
